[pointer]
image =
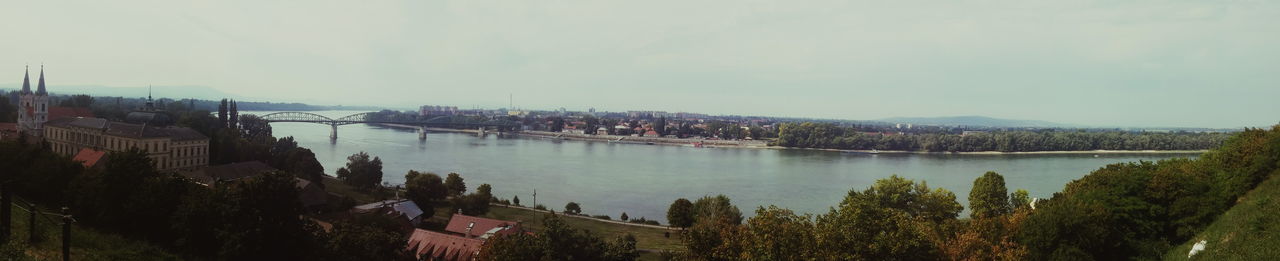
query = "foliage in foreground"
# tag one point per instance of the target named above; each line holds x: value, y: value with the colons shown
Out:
x: 558, y: 242
x: 1248, y: 231
x: 1121, y: 211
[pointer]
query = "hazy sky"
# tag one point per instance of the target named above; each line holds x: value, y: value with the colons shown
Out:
x: 1132, y: 63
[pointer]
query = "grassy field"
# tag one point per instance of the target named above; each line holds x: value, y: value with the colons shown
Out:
x: 646, y: 238
x: 86, y: 244
x: 336, y: 186
x: 1248, y: 231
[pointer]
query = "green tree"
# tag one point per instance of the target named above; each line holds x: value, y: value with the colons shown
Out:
x: 516, y: 246
x: 891, y: 220
x: 573, y: 208
x: 624, y: 217
x: 660, y: 126
x: 515, y: 200
x: 473, y: 204
x: 1019, y: 199
x: 222, y: 113
x: 486, y: 190
x: 778, y: 234
x: 558, y: 242
x: 680, y: 214
x: 455, y: 185
x: 716, y: 207
x: 233, y: 116
x: 989, y: 197
x: 361, y: 172
x: 356, y: 240
x: 423, y: 189
x: 79, y: 101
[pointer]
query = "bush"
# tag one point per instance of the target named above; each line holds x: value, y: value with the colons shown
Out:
x: 605, y: 217
x: 573, y: 208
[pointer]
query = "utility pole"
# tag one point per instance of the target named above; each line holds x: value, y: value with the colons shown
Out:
x: 6, y: 214
x: 535, y: 198
x: 31, y: 224
x: 66, y: 234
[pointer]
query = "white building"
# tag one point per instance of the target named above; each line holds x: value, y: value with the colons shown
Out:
x: 33, y: 107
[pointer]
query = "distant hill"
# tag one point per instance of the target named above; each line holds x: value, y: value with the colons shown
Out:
x: 174, y: 92
x: 973, y: 121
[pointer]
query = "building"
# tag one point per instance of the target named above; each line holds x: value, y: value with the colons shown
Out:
x: 462, y: 240
x: 478, y: 227
x: 91, y: 158
x: 437, y: 110
x: 310, y: 194
x: 428, y: 245
x: 170, y: 148
x: 405, y: 210
x: 8, y: 130
x: 33, y: 107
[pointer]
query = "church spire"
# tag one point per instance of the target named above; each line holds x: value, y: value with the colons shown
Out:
x: 26, y: 81
x: 40, y: 88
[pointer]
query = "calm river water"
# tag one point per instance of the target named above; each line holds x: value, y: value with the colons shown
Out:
x: 643, y: 180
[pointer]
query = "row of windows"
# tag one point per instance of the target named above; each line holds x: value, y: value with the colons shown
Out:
x: 111, y: 143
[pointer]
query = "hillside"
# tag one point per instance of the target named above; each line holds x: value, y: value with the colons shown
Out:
x: 972, y: 121
x: 86, y: 243
x: 1248, y: 231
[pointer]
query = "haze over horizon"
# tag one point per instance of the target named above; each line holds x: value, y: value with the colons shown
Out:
x: 1101, y: 64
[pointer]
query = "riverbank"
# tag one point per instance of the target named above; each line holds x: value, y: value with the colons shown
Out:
x: 648, y: 140
x: 649, y: 238
x: 722, y: 143
x: 1085, y: 152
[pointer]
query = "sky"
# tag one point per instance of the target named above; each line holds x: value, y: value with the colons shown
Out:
x: 1103, y: 63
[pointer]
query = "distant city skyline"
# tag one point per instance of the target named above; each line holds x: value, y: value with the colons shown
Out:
x: 1187, y: 64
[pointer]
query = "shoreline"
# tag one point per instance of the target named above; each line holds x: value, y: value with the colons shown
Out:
x: 870, y: 152
x: 743, y: 144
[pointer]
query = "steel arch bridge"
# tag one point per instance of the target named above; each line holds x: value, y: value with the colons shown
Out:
x: 374, y: 117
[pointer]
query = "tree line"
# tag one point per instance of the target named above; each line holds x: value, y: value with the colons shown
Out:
x: 252, y: 219
x: 1136, y: 210
x: 831, y: 136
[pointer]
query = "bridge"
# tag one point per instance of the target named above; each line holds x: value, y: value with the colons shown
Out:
x: 449, y: 121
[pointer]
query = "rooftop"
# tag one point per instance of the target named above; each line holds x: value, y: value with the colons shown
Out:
x: 479, y: 226
x: 89, y: 157
x: 128, y: 129
x: 442, y: 246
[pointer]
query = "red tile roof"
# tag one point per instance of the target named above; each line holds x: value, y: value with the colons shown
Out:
x: 459, y: 222
x: 442, y: 246
x: 69, y: 112
x: 89, y: 157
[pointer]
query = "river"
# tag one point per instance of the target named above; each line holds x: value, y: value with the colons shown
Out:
x: 643, y: 180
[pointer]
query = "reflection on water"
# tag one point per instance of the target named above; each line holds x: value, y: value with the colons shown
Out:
x: 642, y: 180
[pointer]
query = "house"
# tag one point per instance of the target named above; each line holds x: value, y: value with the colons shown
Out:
x: 478, y: 227
x: 8, y: 130
x: 227, y: 172
x: 309, y: 193
x: 91, y: 158
x: 428, y: 245
x: 602, y: 131
x: 69, y: 112
x: 404, y: 210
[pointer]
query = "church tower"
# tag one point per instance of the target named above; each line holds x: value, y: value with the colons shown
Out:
x: 33, y: 107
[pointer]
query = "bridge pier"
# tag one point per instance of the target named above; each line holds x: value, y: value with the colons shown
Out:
x: 422, y: 132
x: 334, y: 134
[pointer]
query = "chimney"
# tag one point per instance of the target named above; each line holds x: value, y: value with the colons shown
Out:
x: 469, y: 226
